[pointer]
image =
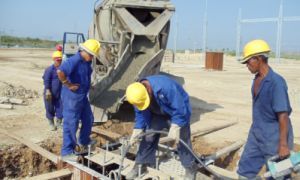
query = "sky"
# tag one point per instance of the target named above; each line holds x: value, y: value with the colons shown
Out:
x: 50, y: 19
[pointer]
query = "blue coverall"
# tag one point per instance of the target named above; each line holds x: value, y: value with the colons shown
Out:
x: 169, y: 104
x: 263, y: 138
x: 51, y: 82
x: 76, y: 104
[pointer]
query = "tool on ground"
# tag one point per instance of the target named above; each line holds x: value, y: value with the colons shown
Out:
x: 279, y: 168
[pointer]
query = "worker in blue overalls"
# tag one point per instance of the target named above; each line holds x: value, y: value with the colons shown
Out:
x: 160, y: 103
x: 51, y: 93
x: 271, y: 131
x: 75, y: 74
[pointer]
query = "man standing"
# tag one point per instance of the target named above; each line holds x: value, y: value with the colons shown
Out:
x: 75, y: 74
x: 271, y: 131
x: 160, y: 103
x: 52, y: 90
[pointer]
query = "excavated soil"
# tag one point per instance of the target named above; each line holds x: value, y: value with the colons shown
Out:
x: 20, y: 161
x: 216, y: 97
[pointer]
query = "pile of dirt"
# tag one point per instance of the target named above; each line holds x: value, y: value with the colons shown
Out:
x: 116, y: 126
x: 20, y: 161
x: 11, y: 91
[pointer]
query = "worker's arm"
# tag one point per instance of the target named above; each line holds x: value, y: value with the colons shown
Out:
x: 62, y: 77
x: 47, y: 79
x: 47, y: 83
x: 281, y: 105
x: 177, y: 105
x: 283, y: 149
x: 142, y: 120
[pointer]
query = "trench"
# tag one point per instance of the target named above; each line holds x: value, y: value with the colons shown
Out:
x: 19, y: 161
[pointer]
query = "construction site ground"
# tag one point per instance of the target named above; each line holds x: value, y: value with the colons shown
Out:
x: 217, y: 97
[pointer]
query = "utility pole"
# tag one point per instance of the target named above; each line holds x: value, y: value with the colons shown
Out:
x: 195, y: 44
x: 175, y: 37
x: 204, y: 30
x: 1, y: 33
x: 279, y: 32
x: 238, y: 35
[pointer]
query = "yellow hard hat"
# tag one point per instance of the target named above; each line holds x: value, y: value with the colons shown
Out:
x: 137, y: 95
x: 91, y: 46
x: 254, y: 48
x: 56, y: 54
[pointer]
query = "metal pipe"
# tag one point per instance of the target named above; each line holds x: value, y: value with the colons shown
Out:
x: 123, y: 154
x: 89, y: 154
x: 157, y: 160
x: 226, y: 150
x: 113, y: 175
x: 104, y: 157
x: 140, y: 170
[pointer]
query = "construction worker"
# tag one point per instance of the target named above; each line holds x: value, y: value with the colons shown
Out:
x: 52, y: 91
x: 75, y: 75
x: 271, y: 131
x: 160, y: 103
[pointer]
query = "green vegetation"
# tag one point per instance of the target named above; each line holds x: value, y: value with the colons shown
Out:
x: 12, y: 41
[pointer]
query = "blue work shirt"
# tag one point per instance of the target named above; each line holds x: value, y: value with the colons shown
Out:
x: 172, y: 100
x: 51, y: 81
x: 77, y: 71
x: 272, y: 98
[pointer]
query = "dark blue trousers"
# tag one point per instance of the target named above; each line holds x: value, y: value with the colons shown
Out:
x: 73, y: 113
x: 149, y: 144
x: 54, y: 108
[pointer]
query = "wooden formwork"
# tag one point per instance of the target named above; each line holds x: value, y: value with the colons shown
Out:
x: 103, y: 158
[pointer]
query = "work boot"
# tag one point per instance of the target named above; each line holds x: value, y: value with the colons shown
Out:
x: 51, y: 124
x: 134, y: 173
x: 59, y: 123
x: 190, y: 173
x: 84, y: 149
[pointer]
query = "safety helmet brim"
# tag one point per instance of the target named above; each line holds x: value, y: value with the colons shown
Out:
x: 144, y: 105
x: 245, y: 59
x: 81, y: 45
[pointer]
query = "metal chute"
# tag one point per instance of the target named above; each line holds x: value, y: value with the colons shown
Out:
x: 133, y: 36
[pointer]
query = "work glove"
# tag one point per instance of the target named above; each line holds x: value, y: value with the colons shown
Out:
x: 48, y: 95
x: 174, y: 133
x: 134, y: 137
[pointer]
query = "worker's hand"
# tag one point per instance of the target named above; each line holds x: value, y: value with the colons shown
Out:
x: 73, y: 87
x: 174, y: 133
x: 134, y: 137
x: 283, y: 151
x: 48, y: 95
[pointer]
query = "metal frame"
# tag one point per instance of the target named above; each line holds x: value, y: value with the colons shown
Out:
x: 105, y: 157
x: 279, y: 20
x: 79, y: 35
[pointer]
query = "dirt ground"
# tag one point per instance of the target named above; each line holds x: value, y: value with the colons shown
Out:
x: 224, y: 96
x: 217, y: 97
